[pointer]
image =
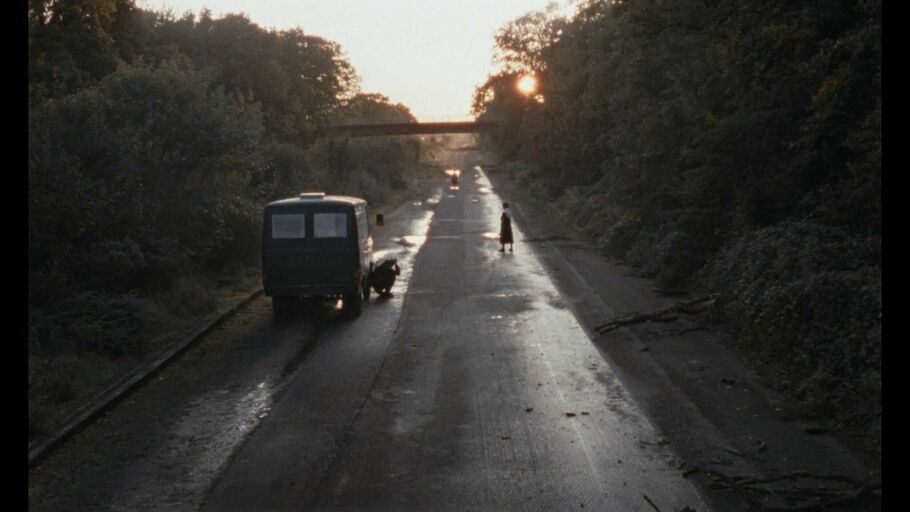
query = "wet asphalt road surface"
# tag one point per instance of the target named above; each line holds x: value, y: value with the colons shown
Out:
x: 484, y: 394
x: 473, y: 388
x: 478, y: 386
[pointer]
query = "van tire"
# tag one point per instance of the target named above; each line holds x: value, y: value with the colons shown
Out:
x: 352, y: 305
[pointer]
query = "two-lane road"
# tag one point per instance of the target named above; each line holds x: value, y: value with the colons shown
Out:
x: 474, y: 388
x: 488, y: 395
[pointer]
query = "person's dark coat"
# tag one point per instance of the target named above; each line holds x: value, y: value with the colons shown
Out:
x: 505, y: 229
x: 382, y: 278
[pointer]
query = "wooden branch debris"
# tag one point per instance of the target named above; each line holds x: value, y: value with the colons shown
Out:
x: 801, y: 490
x: 669, y: 314
x: 645, y: 496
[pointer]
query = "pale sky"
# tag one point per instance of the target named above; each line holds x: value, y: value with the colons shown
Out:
x: 427, y: 54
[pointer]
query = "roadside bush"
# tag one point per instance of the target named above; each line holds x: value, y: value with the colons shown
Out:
x: 58, y: 384
x: 525, y: 174
x: 683, y: 243
x: 54, y: 382
x: 189, y: 296
x: 364, y: 185
x: 93, y: 322
x: 287, y: 171
x: 105, y: 324
x: 367, y: 168
x: 805, y: 300
x: 134, y: 179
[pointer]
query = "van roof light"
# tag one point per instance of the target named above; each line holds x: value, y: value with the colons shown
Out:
x: 312, y: 195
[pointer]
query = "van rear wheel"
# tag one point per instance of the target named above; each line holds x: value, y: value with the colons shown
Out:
x: 352, y: 305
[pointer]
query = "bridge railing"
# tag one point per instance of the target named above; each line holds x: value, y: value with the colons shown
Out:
x: 377, y: 129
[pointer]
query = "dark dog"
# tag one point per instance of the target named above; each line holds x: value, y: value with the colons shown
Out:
x: 382, y: 278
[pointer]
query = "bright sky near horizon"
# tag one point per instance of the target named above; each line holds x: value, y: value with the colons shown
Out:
x: 428, y: 55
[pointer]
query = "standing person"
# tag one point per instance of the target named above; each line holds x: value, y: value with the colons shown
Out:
x: 505, y: 228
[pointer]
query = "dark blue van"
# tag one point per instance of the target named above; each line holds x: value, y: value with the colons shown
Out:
x: 316, y: 246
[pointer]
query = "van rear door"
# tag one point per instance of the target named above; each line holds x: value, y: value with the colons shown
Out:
x: 334, y: 247
x: 286, y: 250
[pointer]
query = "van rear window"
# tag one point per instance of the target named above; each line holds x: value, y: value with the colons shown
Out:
x: 289, y: 225
x: 330, y: 225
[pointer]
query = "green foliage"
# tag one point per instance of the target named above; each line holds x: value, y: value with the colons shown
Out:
x: 156, y: 163
x: 296, y: 79
x: 70, y: 44
x: 763, y: 113
x: 371, y: 108
x: 91, y: 321
x: 689, y: 133
x: 190, y: 296
x: 287, y: 170
x: 364, y: 167
x: 806, y: 299
x: 154, y: 142
x: 520, y: 43
x: 134, y: 178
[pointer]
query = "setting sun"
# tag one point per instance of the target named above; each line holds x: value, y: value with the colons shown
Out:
x: 527, y: 85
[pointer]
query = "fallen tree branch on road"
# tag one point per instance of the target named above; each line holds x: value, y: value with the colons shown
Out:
x: 801, y: 491
x: 692, y: 307
x: 645, y: 496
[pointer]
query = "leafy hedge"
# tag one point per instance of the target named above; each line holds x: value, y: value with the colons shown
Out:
x: 805, y: 300
x: 134, y: 179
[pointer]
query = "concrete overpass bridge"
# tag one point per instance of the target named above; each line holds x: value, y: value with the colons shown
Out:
x: 373, y: 130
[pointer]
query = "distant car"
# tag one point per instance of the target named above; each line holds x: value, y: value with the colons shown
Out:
x: 316, y: 246
x: 453, y: 175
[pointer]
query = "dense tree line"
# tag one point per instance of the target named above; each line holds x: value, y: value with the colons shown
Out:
x: 153, y: 138
x: 725, y: 145
x: 154, y: 141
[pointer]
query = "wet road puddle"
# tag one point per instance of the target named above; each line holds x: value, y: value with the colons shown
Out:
x: 491, y: 235
x: 410, y: 240
x: 405, y: 246
x: 255, y: 405
x: 483, y: 190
